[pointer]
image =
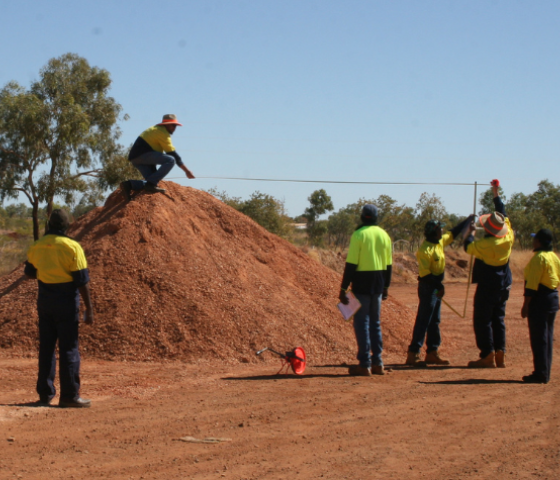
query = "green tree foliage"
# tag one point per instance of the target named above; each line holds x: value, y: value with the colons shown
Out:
x: 546, y: 201
x: 264, y: 209
x: 429, y: 207
x: 57, y: 133
x: 319, y: 204
x: 396, y: 219
x: 486, y: 200
x: 340, y: 226
x: 529, y: 213
x: 92, y: 198
x: 115, y: 169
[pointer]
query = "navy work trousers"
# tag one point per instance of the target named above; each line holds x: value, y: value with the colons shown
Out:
x: 541, y: 333
x: 146, y: 165
x: 58, y: 320
x: 428, y: 319
x: 489, y: 319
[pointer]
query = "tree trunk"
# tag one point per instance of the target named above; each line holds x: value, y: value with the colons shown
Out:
x: 35, y: 220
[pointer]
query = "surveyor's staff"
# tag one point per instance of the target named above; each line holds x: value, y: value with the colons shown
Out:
x: 458, y: 314
x: 470, y: 267
x: 13, y: 286
x: 470, y: 261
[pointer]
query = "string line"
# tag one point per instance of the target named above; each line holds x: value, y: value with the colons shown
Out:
x: 330, y: 181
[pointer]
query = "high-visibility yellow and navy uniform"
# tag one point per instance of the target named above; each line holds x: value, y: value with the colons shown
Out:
x: 369, y: 261
x: 368, y: 269
x: 154, y: 139
x: 431, y: 271
x: 492, y: 275
x: 60, y: 266
x: 542, y: 277
x: 431, y: 260
x: 152, y: 148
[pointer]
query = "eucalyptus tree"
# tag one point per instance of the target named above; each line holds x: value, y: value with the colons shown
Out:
x: 57, y: 136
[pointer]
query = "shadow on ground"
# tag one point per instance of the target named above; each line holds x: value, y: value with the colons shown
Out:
x: 472, y: 381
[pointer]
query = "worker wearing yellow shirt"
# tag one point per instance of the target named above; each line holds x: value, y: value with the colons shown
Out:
x: 492, y: 274
x: 154, y: 147
x: 542, y: 276
x: 431, y: 269
x: 368, y: 269
x: 60, y: 266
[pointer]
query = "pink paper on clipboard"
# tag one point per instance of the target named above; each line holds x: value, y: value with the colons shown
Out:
x: 353, y: 306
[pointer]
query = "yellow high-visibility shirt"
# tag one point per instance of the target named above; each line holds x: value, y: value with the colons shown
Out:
x: 370, y: 249
x: 543, y: 268
x: 55, y: 257
x: 431, y: 257
x: 491, y: 250
x: 158, y: 138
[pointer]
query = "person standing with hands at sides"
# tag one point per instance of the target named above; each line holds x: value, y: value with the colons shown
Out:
x: 431, y: 270
x: 368, y: 269
x: 60, y: 266
x: 492, y: 274
x: 154, y: 147
x: 540, y: 304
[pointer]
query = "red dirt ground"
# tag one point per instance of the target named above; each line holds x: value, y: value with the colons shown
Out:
x: 438, y: 422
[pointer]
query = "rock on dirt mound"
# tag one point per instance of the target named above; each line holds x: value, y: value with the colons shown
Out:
x: 182, y: 275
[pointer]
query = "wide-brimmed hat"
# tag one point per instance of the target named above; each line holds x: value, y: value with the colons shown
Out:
x: 170, y: 119
x: 494, y: 224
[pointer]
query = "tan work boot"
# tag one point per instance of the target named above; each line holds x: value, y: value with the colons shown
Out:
x: 377, y: 370
x: 357, y: 371
x: 486, y: 362
x: 413, y: 358
x: 433, y: 358
x: 500, y: 359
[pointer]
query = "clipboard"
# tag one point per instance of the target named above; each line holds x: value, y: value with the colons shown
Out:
x: 353, y: 306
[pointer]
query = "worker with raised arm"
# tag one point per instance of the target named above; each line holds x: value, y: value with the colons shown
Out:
x: 154, y: 147
x: 542, y: 277
x: 493, y: 277
x: 431, y: 271
x: 368, y: 269
x: 59, y: 264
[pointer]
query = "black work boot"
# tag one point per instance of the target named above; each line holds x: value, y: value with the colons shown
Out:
x: 151, y: 188
x: 126, y: 188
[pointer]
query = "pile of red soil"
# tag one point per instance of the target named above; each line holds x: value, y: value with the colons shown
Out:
x: 182, y: 275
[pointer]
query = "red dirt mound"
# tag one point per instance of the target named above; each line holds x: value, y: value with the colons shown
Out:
x: 182, y: 275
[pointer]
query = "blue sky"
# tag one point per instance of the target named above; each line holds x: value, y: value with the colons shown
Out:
x: 386, y: 91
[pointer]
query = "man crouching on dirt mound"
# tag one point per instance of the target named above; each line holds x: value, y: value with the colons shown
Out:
x: 154, y: 147
x: 60, y: 266
x: 492, y: 274
x: 368, y: 268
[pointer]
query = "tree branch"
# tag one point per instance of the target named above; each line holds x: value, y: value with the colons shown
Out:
x: 13, y: 153
x: 90, y: 173
x: 19, y: 189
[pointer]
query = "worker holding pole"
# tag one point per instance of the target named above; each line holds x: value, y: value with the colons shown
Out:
x: 431, y: 270
x: 493, y: 277
x: 542, y: 277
